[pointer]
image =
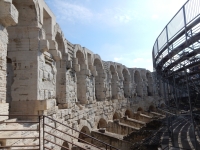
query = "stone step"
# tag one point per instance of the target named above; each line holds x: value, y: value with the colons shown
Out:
x: 116, y: 140
x: 18, y: 132
x: 120, y: 128
x: 85, y: 146
x: 27, y: 149
x: 157, y: 114
x: 24, y: 149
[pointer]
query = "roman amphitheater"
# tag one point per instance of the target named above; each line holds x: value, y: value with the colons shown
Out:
x: 56, y: 95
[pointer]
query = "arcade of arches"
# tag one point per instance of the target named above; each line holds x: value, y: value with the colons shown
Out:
x: 42, y: 73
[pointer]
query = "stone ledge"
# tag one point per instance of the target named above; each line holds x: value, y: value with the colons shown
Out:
x: 4, y: 111
x: 8, y: 13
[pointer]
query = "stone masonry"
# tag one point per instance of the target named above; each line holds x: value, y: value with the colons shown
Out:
x: 42, y: 73
x: 8, y: 17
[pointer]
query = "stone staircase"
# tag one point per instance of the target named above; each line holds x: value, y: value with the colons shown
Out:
x: 50, y: 134
x: 41, y: 134
x: 19, y: 134
x: 121, y: 129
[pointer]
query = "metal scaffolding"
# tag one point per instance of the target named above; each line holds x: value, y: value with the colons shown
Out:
x: 176, y: 61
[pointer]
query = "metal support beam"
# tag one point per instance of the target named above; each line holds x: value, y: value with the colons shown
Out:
x: 191, y: 109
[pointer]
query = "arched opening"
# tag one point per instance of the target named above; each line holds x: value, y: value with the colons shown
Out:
x: 59, y: 40
x: 102, y: 124
x: 65, y: 146
x: 119, y: 71
x: 128, y: 113
x: 114, y: 81
x: 28, y: 13
x: 116, y: 116
x: 152, y: 108
x: 9, y: 80
x: 99, y: 80
x: 84, y: 137
x: 81, y: 78
x: 150, y: 84
x: 47, y: 25
x: 90, y: 79
x: 60, y: 96
x: 120, y: 82
x: 108, y: 90
x: 140, y: 109
x: 138, y: 82
x: 89, y: 60
x: 126, y: 83
x: 21, y: 37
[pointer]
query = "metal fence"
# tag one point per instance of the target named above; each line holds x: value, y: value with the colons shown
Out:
x: 48, y: 133
x: 188, y: 14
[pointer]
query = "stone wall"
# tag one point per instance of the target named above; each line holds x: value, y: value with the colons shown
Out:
x: 43, y: 73
x: 46, y: 74
x: 43, y: 66
x: 8, y: 17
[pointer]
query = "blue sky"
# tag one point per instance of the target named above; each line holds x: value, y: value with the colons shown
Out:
x: 123, y: 31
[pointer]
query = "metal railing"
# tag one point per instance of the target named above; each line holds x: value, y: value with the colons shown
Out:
x: 177, y: 30
x: 47, y: 129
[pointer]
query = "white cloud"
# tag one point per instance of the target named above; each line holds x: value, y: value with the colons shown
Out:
x: 138, y: 20
x: 72, y: 12
x: 117, y: 59
x: 165, y: 8
x: 136, y: 60
x: 78, y: 13
x: 155, y: 17
x: 142, y: 60
x: 115, y: 16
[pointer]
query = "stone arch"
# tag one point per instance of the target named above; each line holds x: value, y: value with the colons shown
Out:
x: 85, y: 130
x: 120, y: 81
x: 140, y: 109
x: 99, y: 80
x: 60, y: 41
x: 138, y: 81
x: 102, y: 123
x: 29, y: 13
x: 65, y: 146
x: 119, y: 71
x: 114, y: 81
x: 59, y: 67
x: 126, y: 82
x: 152, y: 108
x: 150, y: 84
x: 128, y: 113
x: 108, y: 77
x: 116, y: 116
x: 81, y: 82
x: 26, y: 34
x: 89, y: 60
x: 60, y: 45
x: 80, y: 58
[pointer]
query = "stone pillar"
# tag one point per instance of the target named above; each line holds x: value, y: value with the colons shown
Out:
x: 68, y: 92
x: 8, y: 17
x: 34, y: 71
